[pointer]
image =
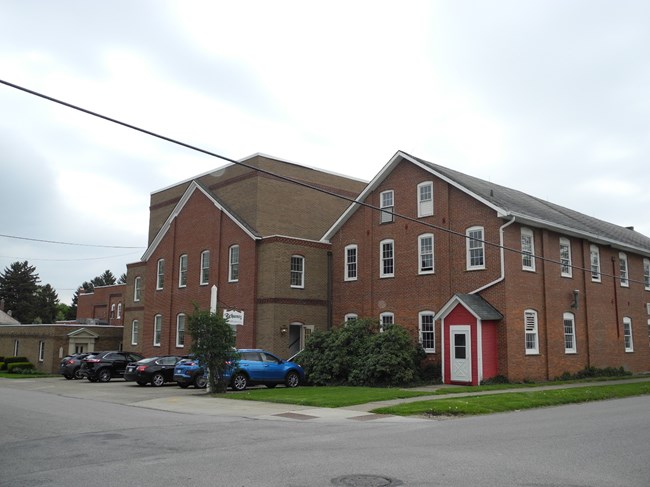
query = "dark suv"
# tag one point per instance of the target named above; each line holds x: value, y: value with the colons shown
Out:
x: 103, y: 366
x: 70, y: 366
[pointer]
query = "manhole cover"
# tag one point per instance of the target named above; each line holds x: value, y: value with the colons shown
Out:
x: 360, y: 480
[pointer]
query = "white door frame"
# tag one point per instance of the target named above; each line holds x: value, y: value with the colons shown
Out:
x: 460, y: 370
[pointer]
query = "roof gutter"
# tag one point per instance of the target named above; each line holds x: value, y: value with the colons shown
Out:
x: 503, y: 263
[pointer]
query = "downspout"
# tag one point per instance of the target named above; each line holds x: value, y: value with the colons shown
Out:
x: 502, y: 254
x: 329, y: 290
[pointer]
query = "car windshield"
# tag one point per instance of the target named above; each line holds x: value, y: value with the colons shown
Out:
x: 147, y: 360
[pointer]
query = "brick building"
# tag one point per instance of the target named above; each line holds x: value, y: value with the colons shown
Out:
x: 250, y: 238
x: 103, y: 306
x: 493, y: 281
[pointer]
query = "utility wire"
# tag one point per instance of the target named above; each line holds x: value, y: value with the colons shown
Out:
x: 70, y: 243
x: 67, y: 260
x: 294, y: 181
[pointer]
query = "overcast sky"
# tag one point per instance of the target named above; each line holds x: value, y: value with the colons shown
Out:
x: 548, y: 97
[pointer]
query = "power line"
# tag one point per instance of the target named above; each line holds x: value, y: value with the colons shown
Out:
x: 293, y: 181
x: 70, y: 243
x: 66, y: 260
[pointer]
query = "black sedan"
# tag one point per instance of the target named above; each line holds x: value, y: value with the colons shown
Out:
x: 154, y: 370
x: 70, y: 365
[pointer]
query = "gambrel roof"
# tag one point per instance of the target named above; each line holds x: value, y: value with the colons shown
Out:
x: 509, y: 203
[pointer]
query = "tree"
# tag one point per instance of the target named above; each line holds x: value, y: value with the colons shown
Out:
x: 122, y: 279
x: 105, y: 279
x: 213, y: 343
x: 18, y: 287
x: 46, y: 304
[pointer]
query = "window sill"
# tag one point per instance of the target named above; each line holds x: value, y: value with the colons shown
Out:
x: 532, y: 354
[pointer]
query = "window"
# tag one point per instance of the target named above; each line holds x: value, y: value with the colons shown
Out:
x: 137, y: 289
x: 205, y: 267
x: 41, y: 351
x: 475, y: 248
x: 649, y: 331
x: 351, y: 263
x: 16, y: 347
x: 646, y: 274
x: 297, y: 271
x: 119, y: 310
x: 385, y: 320
x: 565, y: 258
x: 182, y: 271
x: 527, y: 249
x: 425, y: 253
x: 595, y: 263
x: 135, y: 332
x: 622, y: 266
x: 112, y: 311
x: 160, y: 271
x: 386, y: 259
x: 233, y: 264
x: 427, y: 331
x: 425, y: 199
x: 387, y: 206
x: 180, y: 330
x: 532, y: 341
x: 569, y: 333
x: 157, y: 330
x: 627, y: 334
x: 350, y: 317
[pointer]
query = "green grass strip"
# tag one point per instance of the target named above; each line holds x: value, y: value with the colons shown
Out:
x: 324, y: 397
x: 514, y: 401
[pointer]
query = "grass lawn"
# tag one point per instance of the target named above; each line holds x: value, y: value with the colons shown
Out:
x: 324, y: 397
x: 514, y: 401
x: 7, y: 375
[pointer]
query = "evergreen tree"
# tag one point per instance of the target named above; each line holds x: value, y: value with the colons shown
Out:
x: 47, y: 301
x: 122, y: 279
x: 18, y: 288
x: 106, y: 279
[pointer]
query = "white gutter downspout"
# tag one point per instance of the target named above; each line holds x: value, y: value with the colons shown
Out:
x: 503, y: 264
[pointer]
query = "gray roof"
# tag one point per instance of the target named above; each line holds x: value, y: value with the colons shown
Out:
x: 484, y: 310
x: 540, y: 212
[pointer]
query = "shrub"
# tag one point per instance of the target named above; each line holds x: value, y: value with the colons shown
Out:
x: 17, y: 367
x: 11, y: 360
x: 357, y: 354
x: 590, y: 372
x: 497, y: 379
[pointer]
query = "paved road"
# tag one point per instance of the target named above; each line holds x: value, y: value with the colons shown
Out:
x: 73, y: 434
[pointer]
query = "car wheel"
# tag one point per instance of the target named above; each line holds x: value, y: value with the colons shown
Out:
x: 271, y: 386
x: 292, y: 379
x: 77, y: 373
x: 141, y: 383
x: 239, y: 381
x: 200, y: 382
x: 67, y: 376
x: 92, y: 379
x: 184, y: 385
x: 157, y: 380
x: 104, y: 375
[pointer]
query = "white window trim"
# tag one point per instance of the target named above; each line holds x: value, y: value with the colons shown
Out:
x: 594, y: 251
x: 628, y: 338
x: 433, y: 254
x: 425, y: 208
x: 624, y: 270
x: 468, y: 241
x: 565, y: 242
x: 178, y: 323
x: 160, y: 274
x: 137, y: 289
x: 383, y: 274
x: 16, y: 347
x: 350, y: 317
x: 203, y: 282
x: 532, y: 314
x: 119, y: 311
x: 421, y: 314
x: 387, y: 213
x: 135, y: 332
x: 346, y: 275
x: 570, y: 317
x: 41, y: 351
x: 233, y: 265
x: 302, y: 271
x: 382, y: 323
x: 112, y: 311
x: 527, y: 233
x: 646, y: 274
x: 182, y: 270
x: 157, y: 324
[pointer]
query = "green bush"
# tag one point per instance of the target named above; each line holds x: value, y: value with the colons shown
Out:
x: 590, y: 372
x: 18, y: 367
x: 357, y: 354
x: 11, y: 360
x: 497, y: 379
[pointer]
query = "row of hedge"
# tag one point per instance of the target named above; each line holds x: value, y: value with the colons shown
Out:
x: 15, y: 364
